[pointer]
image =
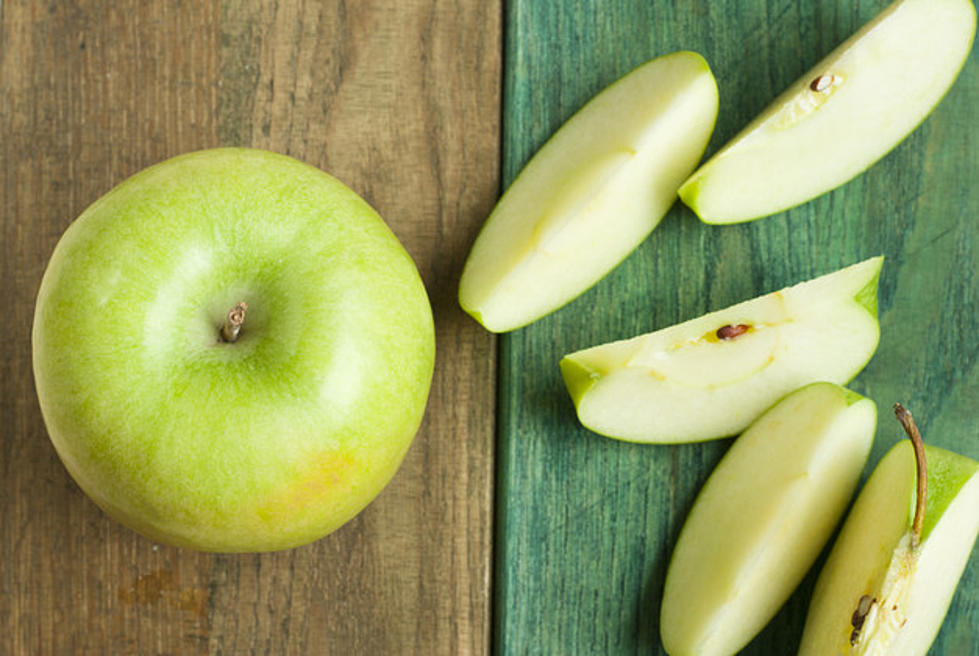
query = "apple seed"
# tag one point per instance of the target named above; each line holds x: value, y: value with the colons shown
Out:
x: 821, y: 83
x: 863, y: 607
x: 730, y: 332
x: 859, y: 615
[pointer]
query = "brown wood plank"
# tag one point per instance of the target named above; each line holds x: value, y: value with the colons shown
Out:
x: 399, y: 100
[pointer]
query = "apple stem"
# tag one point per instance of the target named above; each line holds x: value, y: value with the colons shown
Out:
x: 233, y: 322
x: 921, y: 490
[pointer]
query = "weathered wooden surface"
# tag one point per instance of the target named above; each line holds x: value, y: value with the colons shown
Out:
x: 399, y: 100
x: 586, y: 524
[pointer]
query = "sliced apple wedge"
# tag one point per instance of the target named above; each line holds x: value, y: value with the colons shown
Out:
x: 762, y: 518
x: 891, y: 575
x: 841, y: 116
x: 710, y: 377
x: 592, y: 193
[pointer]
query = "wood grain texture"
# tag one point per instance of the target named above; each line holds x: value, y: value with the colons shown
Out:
x: 400, y: 101
x: 586, y: 524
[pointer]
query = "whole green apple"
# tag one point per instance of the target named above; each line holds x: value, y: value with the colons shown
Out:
x: 232, y: 351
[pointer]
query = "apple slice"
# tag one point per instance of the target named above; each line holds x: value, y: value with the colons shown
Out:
x: 891, y: 575
x: 763, y: 517
x: 841, y: 116
x: 710, y: 377
x: 592, y: 193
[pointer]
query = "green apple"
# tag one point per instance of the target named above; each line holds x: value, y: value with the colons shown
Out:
x: 891, y: 575
x: 592, y: 193
x: 762, y: 518
x: 232, y: 351
x: 841, y: 116
x: 712, y: 376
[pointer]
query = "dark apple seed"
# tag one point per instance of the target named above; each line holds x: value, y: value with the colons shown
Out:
x: 730, y: 332
x: 821, y: 83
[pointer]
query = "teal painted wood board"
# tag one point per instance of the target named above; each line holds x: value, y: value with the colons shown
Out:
x: 586, y: 524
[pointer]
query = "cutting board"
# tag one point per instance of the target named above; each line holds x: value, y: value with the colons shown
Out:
x: 586, y: 524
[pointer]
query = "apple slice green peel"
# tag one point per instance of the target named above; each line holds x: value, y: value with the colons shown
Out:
x: 592, y: 193
x: 840, y: 117
x: 762, y: 518
x: 892, y: 573
x: 712, y: 376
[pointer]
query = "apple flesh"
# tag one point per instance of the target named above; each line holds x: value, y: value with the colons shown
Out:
x: 841, y: 116
x: 265, y: 442
x: 762, y: 518
x: 592, y: 193
x: 710, y: 377
x: 879, y: 593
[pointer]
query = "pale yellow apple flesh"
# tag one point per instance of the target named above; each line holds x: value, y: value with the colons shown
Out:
x: 841, y: 116
x: 762, y: 518
x: 906, y: 591
x: 592, y: 193
x: 685, y: 383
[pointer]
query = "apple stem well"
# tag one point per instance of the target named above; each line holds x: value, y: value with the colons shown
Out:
x: 921, y: 489
x: 233, y: 323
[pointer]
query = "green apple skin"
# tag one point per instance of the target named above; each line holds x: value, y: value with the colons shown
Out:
x: 684, y: 384
x: 266, y: 443
x: 592, y: 193
x: 912, y: 588
x: 763, y: 517
x: 880, y: 85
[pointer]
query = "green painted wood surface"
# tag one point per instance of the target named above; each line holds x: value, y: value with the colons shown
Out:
x: 586, y: 524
